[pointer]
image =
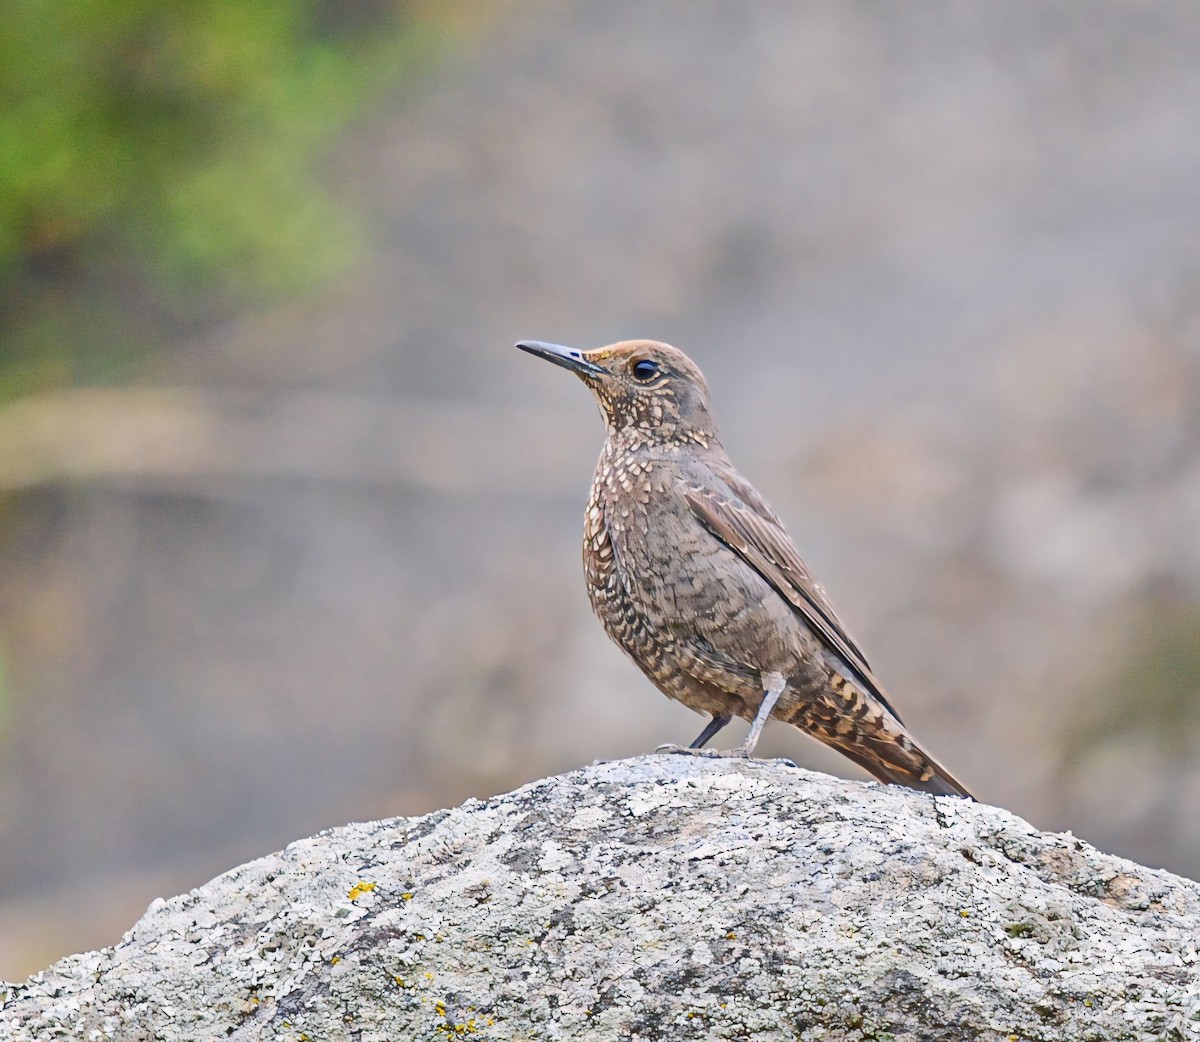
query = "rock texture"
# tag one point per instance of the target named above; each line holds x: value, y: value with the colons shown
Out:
x: 656, y: 898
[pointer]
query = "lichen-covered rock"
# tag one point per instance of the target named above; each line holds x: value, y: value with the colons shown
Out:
x: 659, y: 898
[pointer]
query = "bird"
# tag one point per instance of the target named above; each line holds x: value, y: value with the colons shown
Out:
x: 694, y: 577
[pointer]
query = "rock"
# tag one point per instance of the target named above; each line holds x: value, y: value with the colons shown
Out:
x: 657, y: 898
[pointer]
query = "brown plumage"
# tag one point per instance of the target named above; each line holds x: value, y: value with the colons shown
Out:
x: 694, y: 577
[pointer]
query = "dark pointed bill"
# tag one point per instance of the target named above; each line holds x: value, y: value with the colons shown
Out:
x: 567, y: 357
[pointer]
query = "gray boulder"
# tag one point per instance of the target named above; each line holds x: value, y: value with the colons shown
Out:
x: 658, y: 898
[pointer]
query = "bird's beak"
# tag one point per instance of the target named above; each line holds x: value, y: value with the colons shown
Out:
x: 567, y: 357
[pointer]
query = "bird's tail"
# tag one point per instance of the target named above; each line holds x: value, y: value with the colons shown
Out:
x: 855, y: 718
x: 893, y: 756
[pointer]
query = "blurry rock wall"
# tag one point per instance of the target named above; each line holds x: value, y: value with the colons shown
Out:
x: 941, y: 266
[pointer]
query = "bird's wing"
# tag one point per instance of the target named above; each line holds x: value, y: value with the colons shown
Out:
x: 744, y: 523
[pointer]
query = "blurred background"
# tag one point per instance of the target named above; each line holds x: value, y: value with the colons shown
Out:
x: 289, y: 533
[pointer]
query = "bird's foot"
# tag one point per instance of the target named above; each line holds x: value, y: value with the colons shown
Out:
x: 740, y: 753
x: 671, y: 749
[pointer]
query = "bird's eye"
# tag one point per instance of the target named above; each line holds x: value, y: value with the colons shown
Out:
x: 645, y: 370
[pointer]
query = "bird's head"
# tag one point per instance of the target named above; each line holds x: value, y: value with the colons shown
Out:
x: 645, y: 389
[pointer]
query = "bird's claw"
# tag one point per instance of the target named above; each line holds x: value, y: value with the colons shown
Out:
x: 670, y: 748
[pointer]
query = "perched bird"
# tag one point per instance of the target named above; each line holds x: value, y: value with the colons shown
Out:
x: 695, y: 579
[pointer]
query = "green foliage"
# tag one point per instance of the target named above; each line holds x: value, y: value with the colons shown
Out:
x: 172, y: 148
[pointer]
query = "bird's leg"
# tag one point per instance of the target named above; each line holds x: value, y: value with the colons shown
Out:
x: 773, y: 685
x: 718, y: 721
